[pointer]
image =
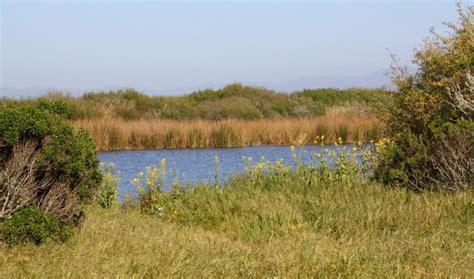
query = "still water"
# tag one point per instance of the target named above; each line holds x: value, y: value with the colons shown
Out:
x: 198, y: 165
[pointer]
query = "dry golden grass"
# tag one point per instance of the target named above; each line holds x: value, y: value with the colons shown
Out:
x: 363, y: 231
x: 281, y: 224
x: 350, y: 123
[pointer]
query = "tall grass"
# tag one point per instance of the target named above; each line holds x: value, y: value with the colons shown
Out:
x: 112, y: 134
x: 270, y: 222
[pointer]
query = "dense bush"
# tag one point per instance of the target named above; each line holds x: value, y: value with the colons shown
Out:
x: 32, y: 224
x: 44, y: 162
x: 432, y: 116
x: 232, y: 107
x: 234, y: 101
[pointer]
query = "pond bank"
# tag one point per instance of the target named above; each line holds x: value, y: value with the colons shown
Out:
x: 199, y: 165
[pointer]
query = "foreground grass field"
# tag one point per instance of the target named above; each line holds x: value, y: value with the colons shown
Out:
x: 263, y: 226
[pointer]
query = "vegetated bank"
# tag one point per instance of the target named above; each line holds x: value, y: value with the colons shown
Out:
x: 235, y: 115
x: 269, y: 222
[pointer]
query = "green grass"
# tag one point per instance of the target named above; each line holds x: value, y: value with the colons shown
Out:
x: 281, y: 224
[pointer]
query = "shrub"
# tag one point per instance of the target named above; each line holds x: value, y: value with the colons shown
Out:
x: 32, y: 224
x: 231, y: 107
x: 45, y: 162
x: 443, y: 160
x: 232, y: 101
x: 238, y: 107
x: 432, y: 116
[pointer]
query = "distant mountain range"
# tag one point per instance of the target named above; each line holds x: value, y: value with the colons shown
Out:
x: 375, y: 79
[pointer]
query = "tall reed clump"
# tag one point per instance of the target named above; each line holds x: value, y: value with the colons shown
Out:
x: 47, y: 170
x: 112, y: 134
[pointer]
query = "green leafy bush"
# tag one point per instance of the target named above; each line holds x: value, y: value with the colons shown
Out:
x: 32, y: 224
x: 432, y: 116
x: 45, y: 163
x: 234, y: 101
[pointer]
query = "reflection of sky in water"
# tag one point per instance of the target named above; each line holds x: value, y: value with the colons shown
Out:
x: 197, y: 165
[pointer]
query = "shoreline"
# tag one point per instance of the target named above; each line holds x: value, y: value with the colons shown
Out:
x: 228, y: 147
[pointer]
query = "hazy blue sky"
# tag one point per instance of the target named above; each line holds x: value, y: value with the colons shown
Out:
x: 158, y: 46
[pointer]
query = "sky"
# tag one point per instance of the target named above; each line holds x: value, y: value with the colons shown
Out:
x: 161, y: 47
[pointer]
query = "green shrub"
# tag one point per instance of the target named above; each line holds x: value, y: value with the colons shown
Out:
x: 239, y: 108
x: 233, y: 101
x: 57, y: 107
x: 32, y: 224
x: 432, y: 116
x: 45, y: 162
x: 441, y: 158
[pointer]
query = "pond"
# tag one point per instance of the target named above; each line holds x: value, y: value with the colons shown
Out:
x: 198, y: 165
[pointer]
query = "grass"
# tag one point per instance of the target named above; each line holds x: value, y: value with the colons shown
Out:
x: 349, y: 123
x: 265, y: 224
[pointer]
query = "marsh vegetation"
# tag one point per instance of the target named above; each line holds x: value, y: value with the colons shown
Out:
x: 349, y: 123
x: 235, y: 115
x: 402, y: 207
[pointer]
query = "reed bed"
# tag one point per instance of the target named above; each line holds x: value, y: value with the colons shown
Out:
x: 347, y: 124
